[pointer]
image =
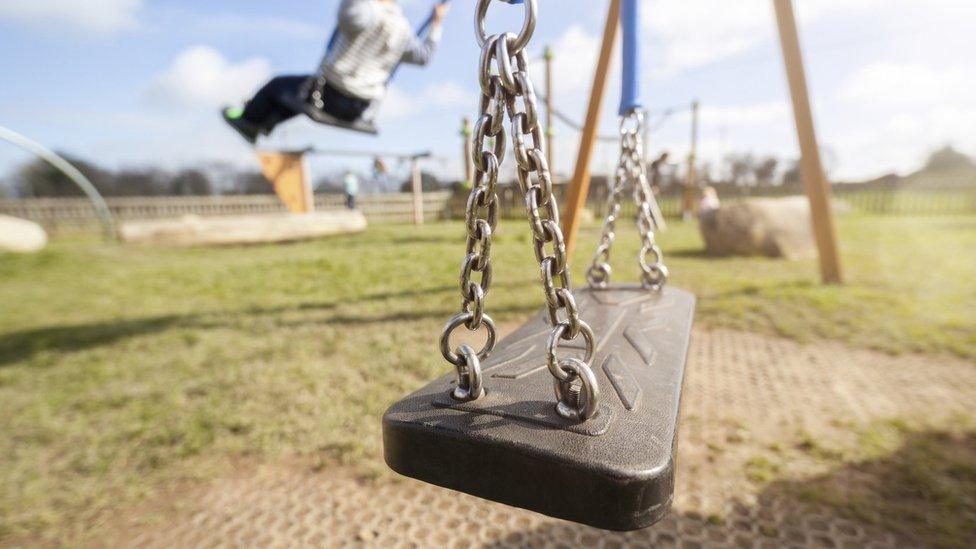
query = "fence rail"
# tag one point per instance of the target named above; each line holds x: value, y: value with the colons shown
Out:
x: 861, y: 198
x: 77, y: 214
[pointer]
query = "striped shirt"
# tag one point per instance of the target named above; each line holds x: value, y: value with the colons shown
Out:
x: 373, y: 38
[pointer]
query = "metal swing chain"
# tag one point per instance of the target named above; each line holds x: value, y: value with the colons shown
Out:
x: 630, y: 168
x: 507, y: 89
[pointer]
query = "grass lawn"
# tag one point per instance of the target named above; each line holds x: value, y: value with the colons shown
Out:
x: 122, y: 366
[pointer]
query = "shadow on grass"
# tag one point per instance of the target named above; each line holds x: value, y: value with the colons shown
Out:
x: 20, y: 345
x: 923, y: 494
x: 23, y: 344
x: 691, y: 253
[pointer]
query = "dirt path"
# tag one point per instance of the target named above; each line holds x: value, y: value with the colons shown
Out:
x: 759, y: 416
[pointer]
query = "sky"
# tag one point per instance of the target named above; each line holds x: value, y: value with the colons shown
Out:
x: 139, y: 82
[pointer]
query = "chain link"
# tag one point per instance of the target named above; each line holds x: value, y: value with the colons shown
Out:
x: 631, y: 169
x: 507, y: 90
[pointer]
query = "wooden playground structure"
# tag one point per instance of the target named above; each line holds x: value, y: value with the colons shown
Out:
x: 288, y: 172
x: 815, y: 182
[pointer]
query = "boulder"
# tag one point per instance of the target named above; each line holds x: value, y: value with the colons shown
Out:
x: 773, y: 227
x: 21, y: 236
x: 193, y: 230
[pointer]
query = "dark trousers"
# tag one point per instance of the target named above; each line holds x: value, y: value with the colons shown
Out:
x: 269, y: 106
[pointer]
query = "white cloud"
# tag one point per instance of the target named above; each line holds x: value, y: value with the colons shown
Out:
x: 698, y: 33
x: 758, y: 114
x: 895, y: 85
x: 572, y: 65
x: 89, y: 15
x: 201, y: 77
x: 437, y: 97
x: 241, y: 23
x: 903, y: 109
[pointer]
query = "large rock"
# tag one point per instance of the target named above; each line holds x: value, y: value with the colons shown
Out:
x: 192, y: 230
x: 20, y: 236
x: 774, y: 227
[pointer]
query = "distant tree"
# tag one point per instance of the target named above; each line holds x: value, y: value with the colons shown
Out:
x: 706, y: 173
x: 191, y: 182
x: 37, y: 179
x: 791, y: 175
x: 428, y: 183
x: 140, y: 182
x: 948, y: 159
x: 330, y: 184
x: 252, y: 183
x: 740, y: 167
x: 764, y: 170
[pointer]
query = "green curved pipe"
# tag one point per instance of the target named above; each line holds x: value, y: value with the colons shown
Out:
x: 65, y: 167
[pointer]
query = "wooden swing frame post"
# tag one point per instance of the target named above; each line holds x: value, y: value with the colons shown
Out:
x: 814, y: 180
x: 580, y: 185
x: 417, y: 184
x: 691, y: 182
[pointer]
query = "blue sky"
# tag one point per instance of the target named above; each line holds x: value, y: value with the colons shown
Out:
x: 134, y: 82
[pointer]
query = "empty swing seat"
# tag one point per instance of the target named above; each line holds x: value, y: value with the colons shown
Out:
x: 614, y: 471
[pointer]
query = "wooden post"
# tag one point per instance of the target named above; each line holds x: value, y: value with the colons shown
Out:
x: 288, y: 173
x: 580, y: 186
x: 814, y: 179
x: 550, y: 130
x: 307, y: 178
x: 467, y: 152
x: 688, y: 207
x: 417, y: 181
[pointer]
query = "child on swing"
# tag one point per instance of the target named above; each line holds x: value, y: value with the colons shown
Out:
x: 373, y: 37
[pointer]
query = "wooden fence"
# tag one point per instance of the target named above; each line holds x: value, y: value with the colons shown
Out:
x: 77, y: 214
x: 876, y: 199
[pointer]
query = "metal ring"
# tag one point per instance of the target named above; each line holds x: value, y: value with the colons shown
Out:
x: 552, y: 233
x: 484, y: 63
x: 480, y: 244
x: 476, y: 200
x: 469, y: 381
x: 462, y: 319
x: 535, y: 220
x: 565, y: 300
x: 553, y: 344
x: 504, y: 59
x: 478, y: 301
x: 468, y: 265
x: 528, y: 24
x: 655, y: 277
x: 579, y: 406
x: 599, y: 275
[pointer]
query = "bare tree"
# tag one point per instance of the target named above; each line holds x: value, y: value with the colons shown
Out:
x: 740, y: 168
x: 764, y: 170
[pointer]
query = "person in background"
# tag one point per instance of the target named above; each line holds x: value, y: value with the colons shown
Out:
x: 708, y: 205
x: 381, y: 174
x: 350, y: 184
x: 373, y: 38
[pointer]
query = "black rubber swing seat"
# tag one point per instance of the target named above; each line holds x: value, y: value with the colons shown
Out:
x: 614, y: 471
x: 298, y: 104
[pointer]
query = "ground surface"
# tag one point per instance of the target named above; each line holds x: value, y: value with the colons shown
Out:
x: 184, y: 382
x: 762, y: 463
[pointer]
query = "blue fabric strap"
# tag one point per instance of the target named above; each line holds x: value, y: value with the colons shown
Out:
x: 630, y: 21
